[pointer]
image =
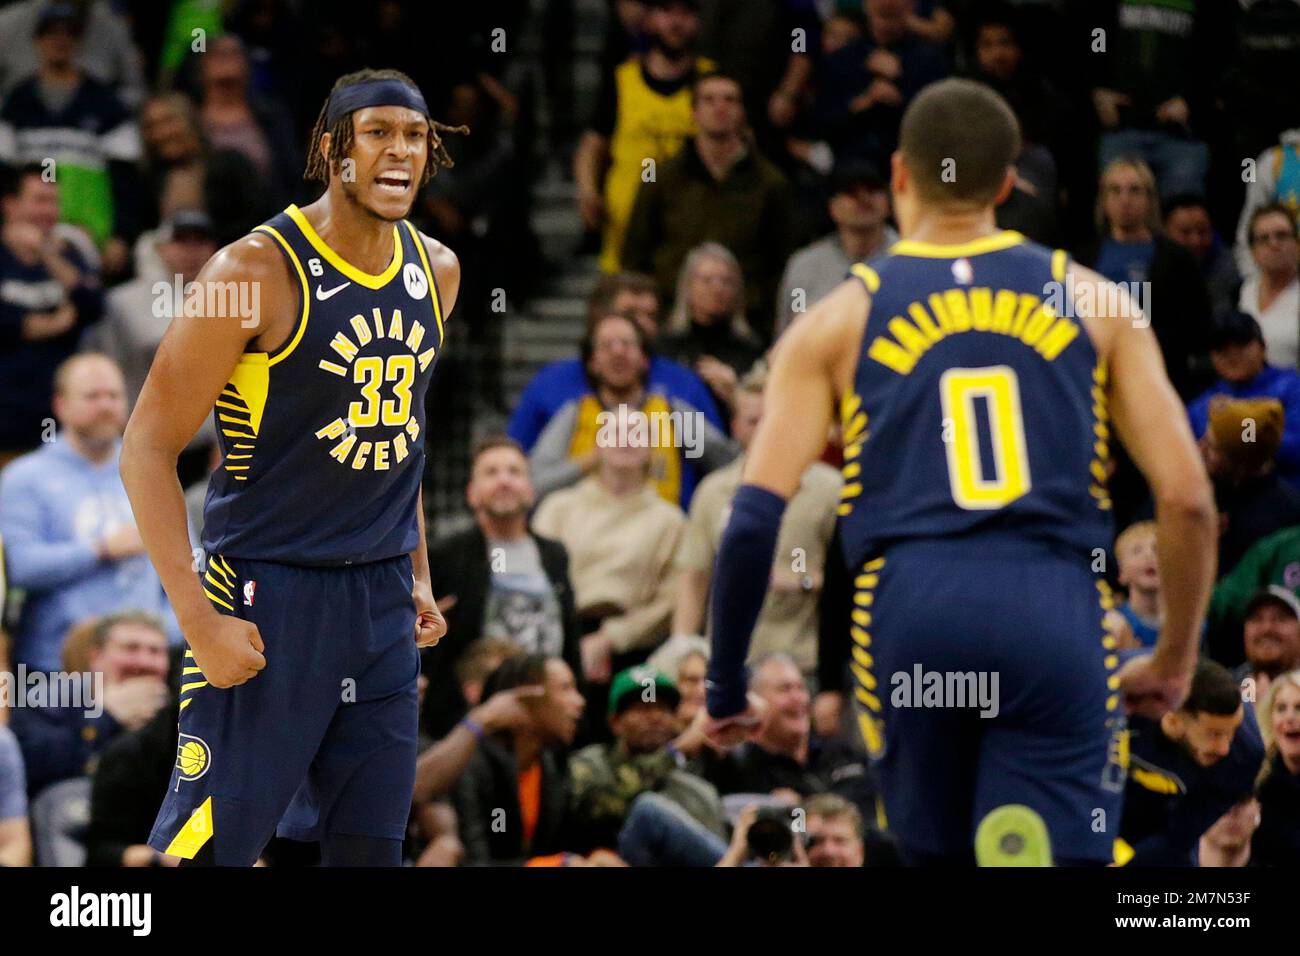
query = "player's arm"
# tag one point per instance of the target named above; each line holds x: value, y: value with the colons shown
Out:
x: 430, y: 625
x: 1153, y: 426
x: 193, y: 363
x: 799, y: 403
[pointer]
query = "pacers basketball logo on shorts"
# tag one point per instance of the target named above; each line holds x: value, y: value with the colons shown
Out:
x: 193, y: 758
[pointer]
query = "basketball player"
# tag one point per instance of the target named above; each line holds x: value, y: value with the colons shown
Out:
x: 298, y: 699
x: 978, y: 377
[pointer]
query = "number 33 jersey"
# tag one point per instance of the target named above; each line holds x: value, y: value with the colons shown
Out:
x: 979, y: 402
x: 322, y: 440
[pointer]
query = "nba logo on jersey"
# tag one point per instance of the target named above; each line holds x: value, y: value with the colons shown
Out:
x: 416, y: 284
x: 249, y: 588
x: 962, y: 273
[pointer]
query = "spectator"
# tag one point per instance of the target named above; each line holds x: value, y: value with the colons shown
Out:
x: 48, y: 295
x: 783, y: 758
x: 622, y: 540
x: 859, y: 206
x: 1271, y: 560
x: 999, y: 62
x: 1239, y: 357
x: 1277, y: 841
x: 1155, y: 95
x: 684, y: 658
x: 441, y: 763
x: 132, y: 771
x: 232, y: 117
x: 497, y: 580
x: 687, y: 446
x: 1132, y: 250
x: 15, y: 834
x: 182, y: 172
x: 1139, y: 572
x: 718, y: 188
x: 1272, y: 293
x: 1187, y: 222
x: 107, y: 53
x: 69, y: 533
x: 1227, y: 842
x: 513, y: 799
x: 788, y: 620
x: 751, y: 40
x: 866, y: 84
x: 61, y: 114
x: 137, y: 314
x: 835, y: 832
x: 1239, y: 446
x: 1276, y: 182
x: 642, y: 758
x: 1271, y: 637
x: 643, y: 112
x: 1186, y: 770
x: 632, y: 295
x: 707, y: 329
x: 64, y: 741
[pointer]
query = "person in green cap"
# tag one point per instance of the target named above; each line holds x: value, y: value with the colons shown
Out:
x: 645, y: 756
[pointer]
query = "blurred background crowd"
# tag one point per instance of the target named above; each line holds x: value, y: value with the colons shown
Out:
x: 651, y: 192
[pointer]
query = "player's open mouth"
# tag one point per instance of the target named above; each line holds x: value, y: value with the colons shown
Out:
x: 395, y: 182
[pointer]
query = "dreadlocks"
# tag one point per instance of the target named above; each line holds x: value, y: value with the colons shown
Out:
x: 341, y: 133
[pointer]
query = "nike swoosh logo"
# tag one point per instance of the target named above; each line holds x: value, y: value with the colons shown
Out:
x: 322, y: 295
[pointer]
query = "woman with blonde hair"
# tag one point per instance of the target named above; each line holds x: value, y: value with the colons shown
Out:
x: 1277, y: 841
x: 706, y: 329
x: 1162, y: 278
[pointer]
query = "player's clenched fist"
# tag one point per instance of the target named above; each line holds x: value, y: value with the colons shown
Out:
x: 228, y: 651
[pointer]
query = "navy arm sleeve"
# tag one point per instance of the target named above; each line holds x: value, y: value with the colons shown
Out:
x: 740, y: 577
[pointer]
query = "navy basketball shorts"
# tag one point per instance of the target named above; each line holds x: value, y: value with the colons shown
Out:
x: 983, y: 677
x: 323, y: 739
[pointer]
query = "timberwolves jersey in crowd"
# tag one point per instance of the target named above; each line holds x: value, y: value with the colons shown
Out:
x: 322, y: 440
x: 977, y: 402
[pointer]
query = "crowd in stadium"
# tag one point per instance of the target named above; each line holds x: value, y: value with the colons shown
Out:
x: 734, y: 165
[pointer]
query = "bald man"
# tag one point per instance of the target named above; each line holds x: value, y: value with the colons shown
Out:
x: 70, y: 537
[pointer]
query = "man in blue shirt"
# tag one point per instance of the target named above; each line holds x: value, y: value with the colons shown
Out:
x: 1237, y: 351
x: 558, y: 383
x: 70, y: 537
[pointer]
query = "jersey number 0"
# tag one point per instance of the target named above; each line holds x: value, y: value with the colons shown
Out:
x: 976, y: 487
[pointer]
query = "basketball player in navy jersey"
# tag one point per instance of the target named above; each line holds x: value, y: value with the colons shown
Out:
x: 298, y: 700
x: 978, y: 378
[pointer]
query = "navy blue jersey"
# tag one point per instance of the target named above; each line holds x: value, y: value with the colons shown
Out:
x: 977, y: 404
x: 322, y: 440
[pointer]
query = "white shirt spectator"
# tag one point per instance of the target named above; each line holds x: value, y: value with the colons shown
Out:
x: 1280, y: 322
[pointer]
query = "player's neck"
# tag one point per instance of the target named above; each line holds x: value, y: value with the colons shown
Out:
x: 363, y: 240
x: 942, y: 227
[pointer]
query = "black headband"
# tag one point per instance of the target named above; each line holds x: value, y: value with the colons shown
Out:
x: 373, y: 93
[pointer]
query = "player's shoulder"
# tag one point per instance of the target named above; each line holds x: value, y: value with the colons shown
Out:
x: 252, y: 256
x: 830, y: 328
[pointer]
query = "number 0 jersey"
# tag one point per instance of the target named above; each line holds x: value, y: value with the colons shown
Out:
x: 978, y: 404
x: 322, y: 440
